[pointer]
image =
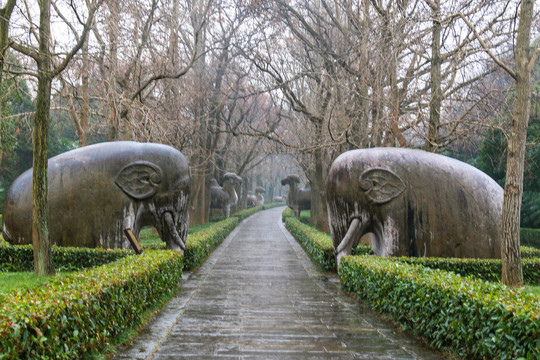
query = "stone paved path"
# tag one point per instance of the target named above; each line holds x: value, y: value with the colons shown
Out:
x: 258, y: 296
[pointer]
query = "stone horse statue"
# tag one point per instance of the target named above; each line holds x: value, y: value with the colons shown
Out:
x: 297, y: 199
x: 224, y: 197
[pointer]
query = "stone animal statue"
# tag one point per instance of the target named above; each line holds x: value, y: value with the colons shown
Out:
x: 297, y: 199
x: 97, y: 191
x: 259, y: 191
x: 224, y: 197
x: 251, y: 199
x: 414, y: 203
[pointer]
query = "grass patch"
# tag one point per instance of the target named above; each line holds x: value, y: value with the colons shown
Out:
x: 148, y: 238
x: 535, y: 290
x: 10, y: 281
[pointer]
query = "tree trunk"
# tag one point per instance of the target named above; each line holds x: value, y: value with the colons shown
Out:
x: 435, y: 81
x: 5, y: 15
x: 85, y: 97
x: 43, y: 262
x: 512, y: 274
x: 113, y: 131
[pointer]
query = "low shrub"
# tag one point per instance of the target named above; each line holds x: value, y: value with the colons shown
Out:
x: 528, y: 252
x: 287, y: 213
x: 21, y: 257
x: 530, y: 237
x: 78, y: 313
x: 273, y: 205
x: 200, y: 244
x: 216, y: 218
x: 305, y: 217
x: 485, y: 269
x: 317, y: 244
x: 472, y: 318
x: 241, y: 215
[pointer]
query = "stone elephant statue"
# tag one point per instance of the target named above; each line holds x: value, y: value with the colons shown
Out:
x: 224, y: 197
x: 297, y: 199
x: 414, y: 203
x: 97, y: 191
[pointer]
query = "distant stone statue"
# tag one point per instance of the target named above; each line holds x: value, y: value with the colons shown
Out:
x: 259, y: 191
x: 251, y: 199
x: 297, y: 199
x: 98, y: 191
x: 225, y: 197
x: 414, y: 203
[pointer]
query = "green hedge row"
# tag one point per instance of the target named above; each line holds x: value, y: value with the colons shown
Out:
x: 78, y: 313
x: 317, y: 244
x: 241, y: 215
x: 200, y: 244
x: 530, y: 237
x: 273, y: 205
x: 472, y: 318
x: 305, y: 216
x: 528, y: 252
x: 21, y: 258
x: 486, y: 269
x: 287, y: 213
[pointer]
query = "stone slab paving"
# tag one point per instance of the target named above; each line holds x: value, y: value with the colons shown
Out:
x: 259, y: 296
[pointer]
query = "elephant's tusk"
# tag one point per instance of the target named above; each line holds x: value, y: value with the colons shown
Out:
x: 351, y: 234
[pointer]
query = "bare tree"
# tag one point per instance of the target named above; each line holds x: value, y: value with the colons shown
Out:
x: 513, y: 191
x: 46, y: 72
x: 5, y: 16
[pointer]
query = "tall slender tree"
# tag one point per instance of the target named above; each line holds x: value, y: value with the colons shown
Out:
x: 524, y: 58
x: 43, y: 261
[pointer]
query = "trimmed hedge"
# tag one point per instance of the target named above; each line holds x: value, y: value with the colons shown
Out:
x: 287, y: 213
x: 485, y: 269
x: 318, y: 245
x: 21, y: 257
x: 78, y: 313
x: 273, y: 205
x: 241, y: 215
x: 530, y: 237
x: 200, y: 244
x: 305, y: 216
x: 528, y: 252
x: 472, y: 318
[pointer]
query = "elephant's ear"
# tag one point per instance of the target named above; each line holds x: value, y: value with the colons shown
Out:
x: 139, y: 179
x: 381, y: 185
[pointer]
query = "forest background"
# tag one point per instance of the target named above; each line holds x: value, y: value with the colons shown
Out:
x: 270, y: 88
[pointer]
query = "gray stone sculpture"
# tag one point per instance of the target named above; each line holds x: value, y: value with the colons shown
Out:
x: 259, y: 191
x: 297, y: 199
x: 224, y: 197
x: 97, y: 191
x: 414, y: 203
x: 251, y: 199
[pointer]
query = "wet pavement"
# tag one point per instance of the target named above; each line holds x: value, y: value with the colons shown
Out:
x: 259, y: 296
